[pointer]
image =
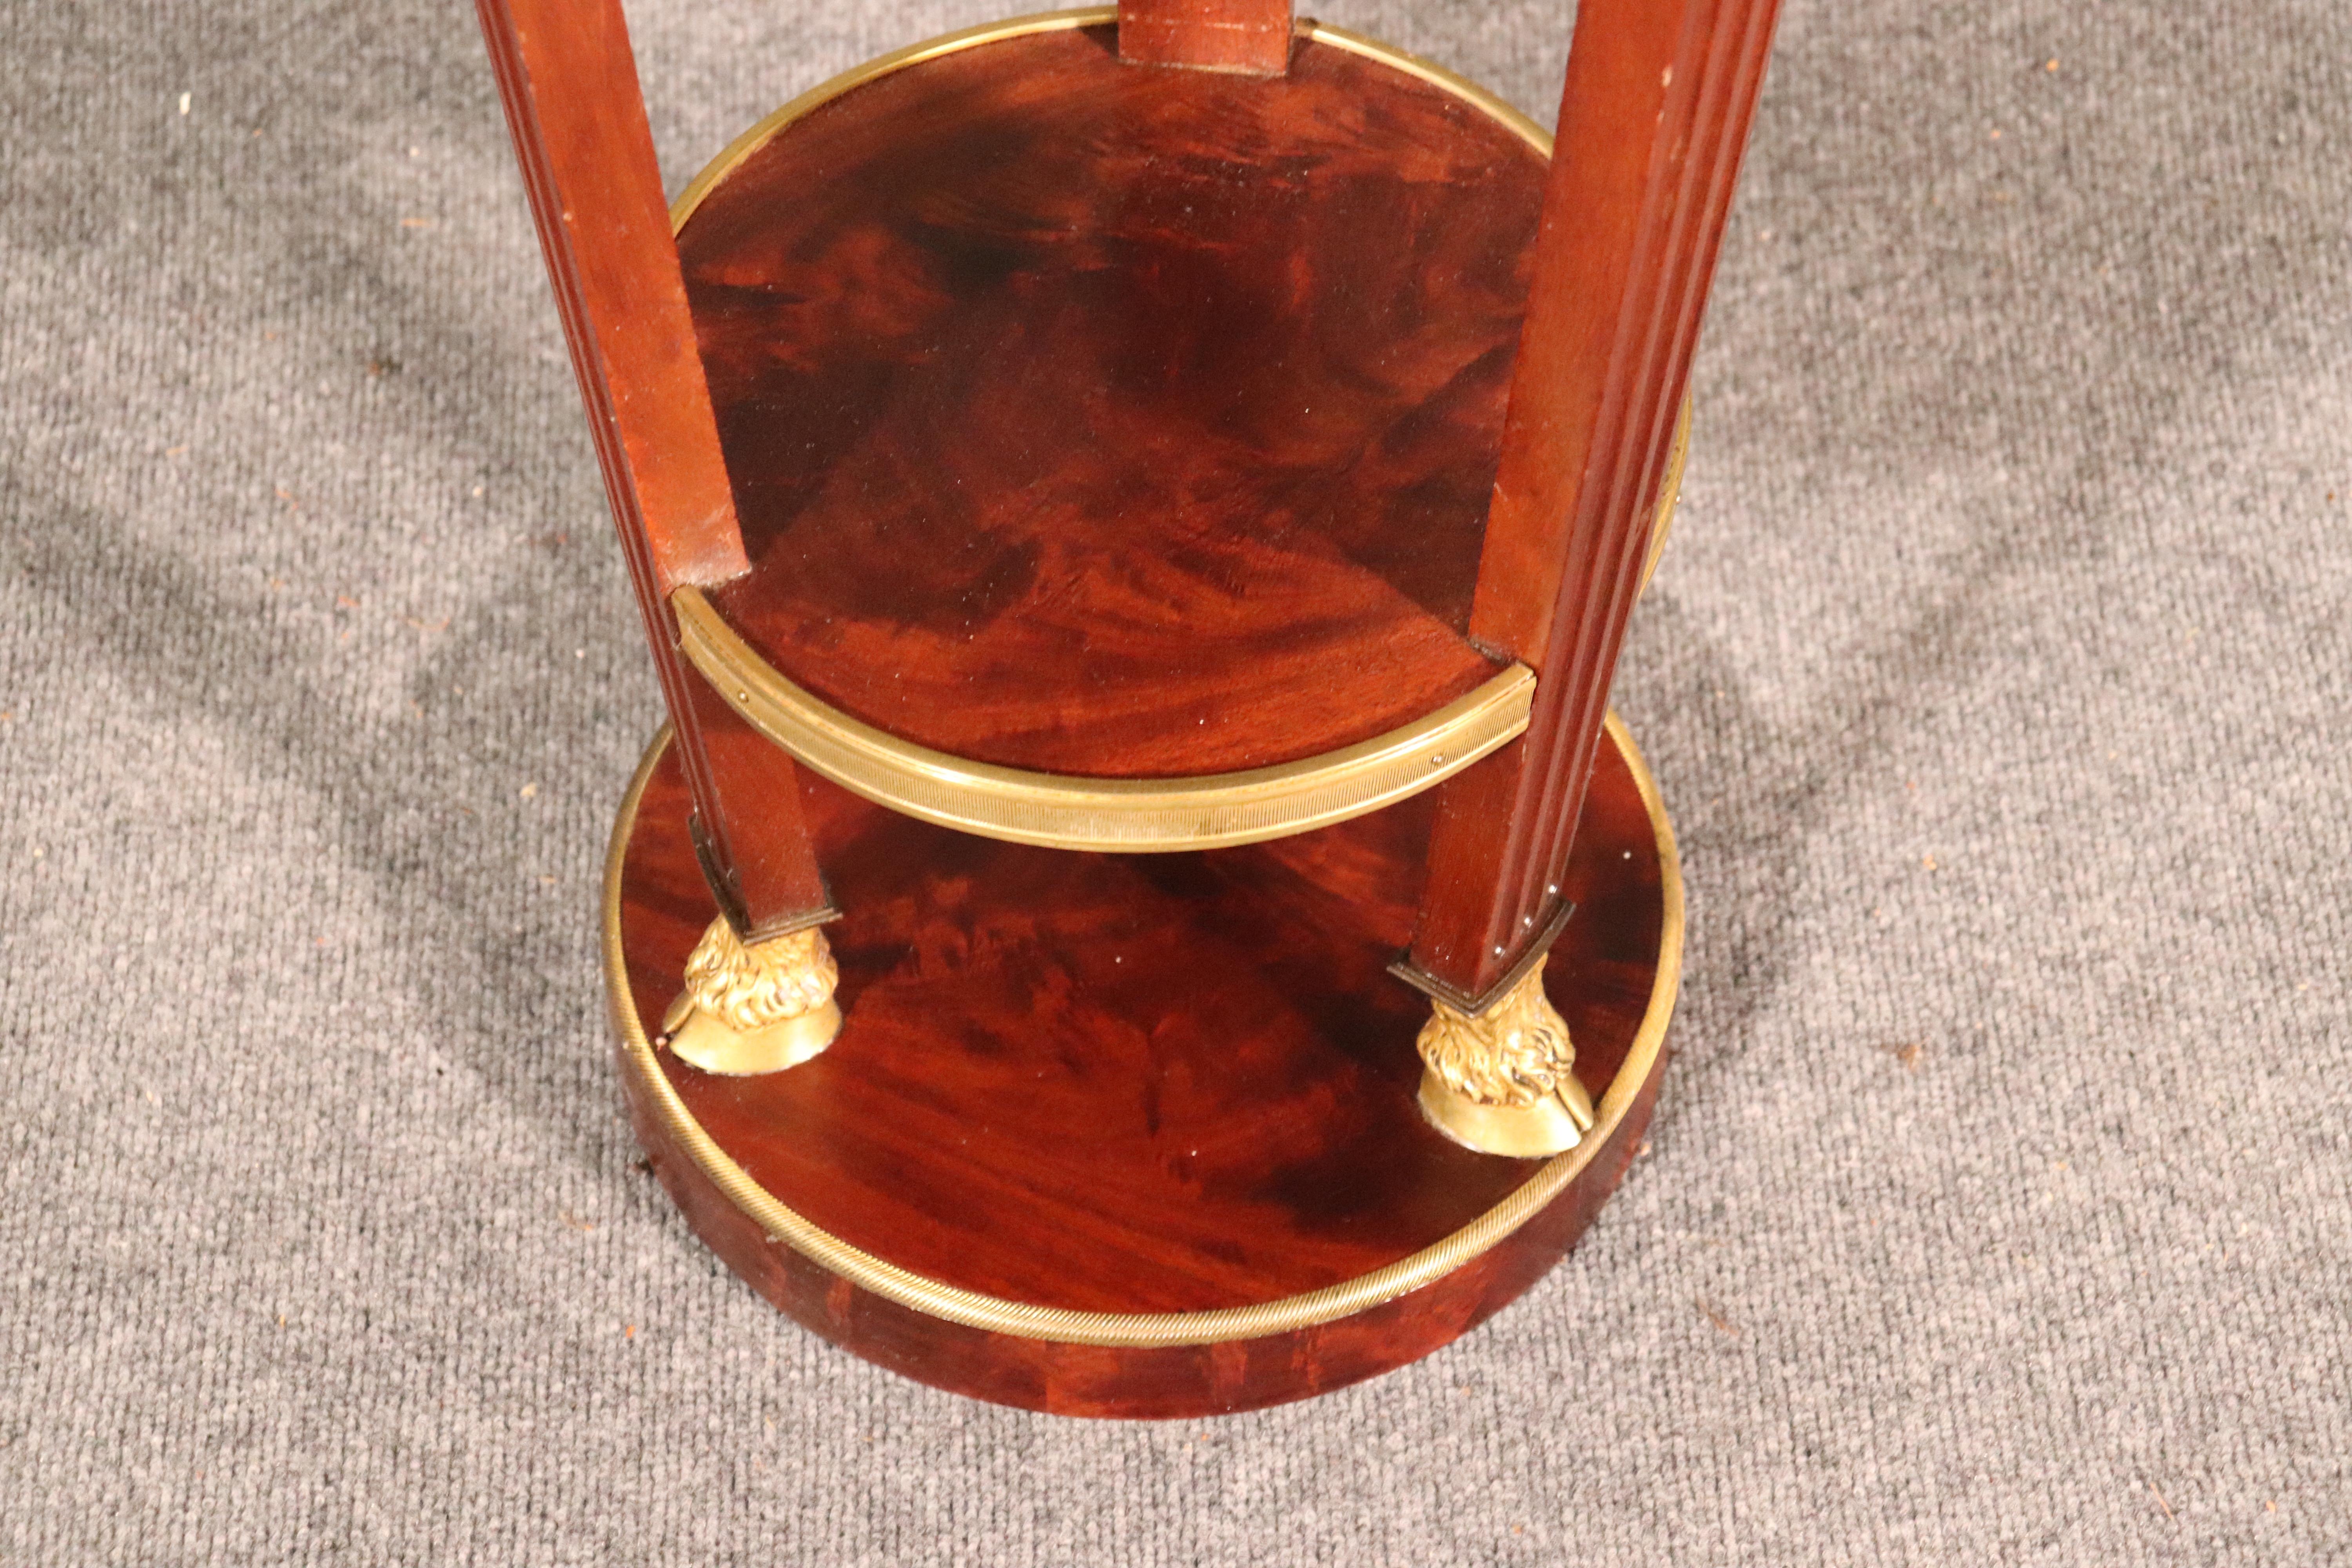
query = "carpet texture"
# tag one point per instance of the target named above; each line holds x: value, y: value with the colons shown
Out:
x: 1998, y: 676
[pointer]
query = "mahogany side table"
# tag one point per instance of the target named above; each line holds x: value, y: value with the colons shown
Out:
x: 1140, y: 908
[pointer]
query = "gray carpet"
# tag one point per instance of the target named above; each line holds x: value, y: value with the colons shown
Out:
x: 1999, y: 677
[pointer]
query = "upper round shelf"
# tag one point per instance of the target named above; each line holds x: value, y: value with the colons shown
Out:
x: 1092, y: 423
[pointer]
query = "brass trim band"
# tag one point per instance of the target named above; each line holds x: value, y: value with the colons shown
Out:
x: 825, y: 91
x: 1025, y: 1319
x: 1061, y: 812
x: 1670, y: 491
x: 1435, y: 75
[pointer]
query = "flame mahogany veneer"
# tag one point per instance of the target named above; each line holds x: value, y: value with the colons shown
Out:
x: 1128, y: 1084
x: 1115, y: 421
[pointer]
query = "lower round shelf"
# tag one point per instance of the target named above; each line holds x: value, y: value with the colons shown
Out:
x: 1131, y: 1135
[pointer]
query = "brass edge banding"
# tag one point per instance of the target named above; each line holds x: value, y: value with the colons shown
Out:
x: 1024, y: 1320
x: 825, y: 92
x: 1436, y: 76
x: 751, y: 140
x: 1136, y: 816
x: 1670, y: 492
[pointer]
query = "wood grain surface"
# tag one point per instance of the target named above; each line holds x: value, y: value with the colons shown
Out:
x: 1130, y: 1084
x: 1118, y: 422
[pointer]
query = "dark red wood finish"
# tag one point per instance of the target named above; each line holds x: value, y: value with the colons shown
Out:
x: 1654, y: 122
x: 1118, y: 422
x: 1137, y: 423
x: 1251, y: 35
x: 1131, y: 1084
x: 569, y: 87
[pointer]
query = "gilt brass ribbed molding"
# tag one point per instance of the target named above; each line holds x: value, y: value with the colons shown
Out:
x: 1061, y: 811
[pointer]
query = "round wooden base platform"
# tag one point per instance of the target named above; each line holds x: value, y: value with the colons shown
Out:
x: 1131, y: 1135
